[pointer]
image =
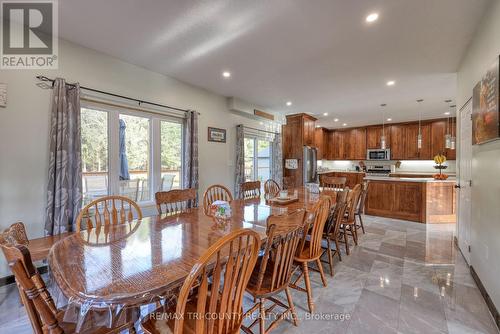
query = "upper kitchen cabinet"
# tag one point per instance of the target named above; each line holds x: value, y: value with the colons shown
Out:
x: 309, y: 125
x: 320, y: 141
x: 356, y: 144
x: 374, y: 135
x: 438, y: 132
x: 412, y: 152
x: 398, y: 142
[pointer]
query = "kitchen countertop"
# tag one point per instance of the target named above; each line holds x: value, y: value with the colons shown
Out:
x: 338, y: 171
x: 408, y: 179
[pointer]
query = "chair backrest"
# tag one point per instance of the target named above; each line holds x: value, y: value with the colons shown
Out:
x: 271, y: 188
x: 352, y: 202
x: 214, y: 193
x: 13, y: 242
x: 284, y: 233
x: 250, y: 189
x: 314, y: 228
x: 288, y: 182
x: 220, y: 276
x: 175, y: 201
x: 130, y: 189
x: 362, y: 198
x: 108, y: 210
x: 333, y: 182
x: 34, y: 290
x: 333, y: 224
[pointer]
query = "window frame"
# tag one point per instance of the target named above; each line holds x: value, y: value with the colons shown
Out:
x: 255, y: 156
x: 154, y: 174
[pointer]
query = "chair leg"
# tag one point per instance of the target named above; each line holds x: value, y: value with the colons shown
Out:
x: 338, y: 248
x: 321, y: 272
x: 307, y: 280
x: 262, y: 322
x: 330, y: 256
x: 346, y: 239
x: 354, y: 231
x: 361, y: 221
x: 292, y: 307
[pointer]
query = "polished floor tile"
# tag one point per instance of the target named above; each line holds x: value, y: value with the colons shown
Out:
x: 403, y: 277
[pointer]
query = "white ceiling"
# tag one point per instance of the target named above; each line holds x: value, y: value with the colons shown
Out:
x: 320, y: 54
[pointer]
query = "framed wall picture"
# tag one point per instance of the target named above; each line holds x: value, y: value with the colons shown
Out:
x: 485, y: 106
x: 217, y: 135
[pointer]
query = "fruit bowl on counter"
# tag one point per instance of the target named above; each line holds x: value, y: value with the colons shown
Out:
x: 440, y: 159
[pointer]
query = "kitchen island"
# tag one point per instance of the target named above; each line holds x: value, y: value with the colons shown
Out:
x: 422, y: 200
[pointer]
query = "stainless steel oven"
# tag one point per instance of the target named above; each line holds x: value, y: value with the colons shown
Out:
x: 378, y: 154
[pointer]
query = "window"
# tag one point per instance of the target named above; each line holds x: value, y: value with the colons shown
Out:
x: 257, y: 159
x: 129, y: 153
x: 94, y: 125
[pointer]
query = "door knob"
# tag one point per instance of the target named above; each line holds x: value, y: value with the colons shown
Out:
x: 457, y: 186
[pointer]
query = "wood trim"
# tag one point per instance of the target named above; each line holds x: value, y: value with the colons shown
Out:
x: 423, y: 122
x: 486, y: 296
x: 263, y: 114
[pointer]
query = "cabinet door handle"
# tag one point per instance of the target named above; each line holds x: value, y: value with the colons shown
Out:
x: 457, y: 186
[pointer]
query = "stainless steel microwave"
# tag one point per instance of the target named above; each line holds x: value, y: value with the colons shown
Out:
x: 378, y: 154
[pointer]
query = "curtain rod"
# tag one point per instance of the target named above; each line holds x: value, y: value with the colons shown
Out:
x: 249, y: 127
x: 44, y: 78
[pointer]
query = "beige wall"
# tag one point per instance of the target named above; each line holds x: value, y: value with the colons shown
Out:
x: 24, y: 127
x: 485, y: 236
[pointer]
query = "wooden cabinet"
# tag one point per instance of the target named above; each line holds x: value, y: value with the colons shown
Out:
x: 356, y: 144
x: 374, y: 135
x: 297, y: 133
x: 398, y: 142
x: 423, y: 202
x: 352, y: 178
x: 340, y: 139
x: 438, y: 131
x: 426, y: 150
x: 321, y: 143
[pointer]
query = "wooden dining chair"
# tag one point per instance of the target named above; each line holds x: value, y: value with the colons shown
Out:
x: 250, y: 190
x: 214, y: 193
x: 215, y: 287
x: 271, y: 188
x: 288, y: 182
x: 273, y: 271
x: 42, y: 312
x: 175, y: 201
x: 332, y: 182
x: 108, y: 210
x: 310, y: 250
x: 332, y: 228
x: 348, y: 228
x: 360, y: 208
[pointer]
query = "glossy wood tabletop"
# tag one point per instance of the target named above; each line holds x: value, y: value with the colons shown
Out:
x: 132, y: 264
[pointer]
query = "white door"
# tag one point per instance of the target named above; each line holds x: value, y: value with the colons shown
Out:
x: 464, y: 180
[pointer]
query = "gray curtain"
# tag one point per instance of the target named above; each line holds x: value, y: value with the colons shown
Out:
x: 277, y: 170
x: 64, y: 193
x: 190, y: 178
x: 240, y: 159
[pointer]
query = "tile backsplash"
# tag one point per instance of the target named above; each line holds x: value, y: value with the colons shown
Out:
x: 420, y: 166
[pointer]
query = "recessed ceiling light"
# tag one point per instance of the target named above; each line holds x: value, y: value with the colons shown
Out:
x: 261, y: 123
x: 391, y: 83
x: 389, y: 119
x: 226, y: 74
x: 325, y: 114
x: 372, y: 17
x: 447, y: 113
x: 345, y: 124
x: 318, y: 126
x: 335, y: 119
x: 289, y: 103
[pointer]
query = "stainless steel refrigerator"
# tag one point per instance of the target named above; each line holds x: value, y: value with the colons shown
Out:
x: 310, y: 164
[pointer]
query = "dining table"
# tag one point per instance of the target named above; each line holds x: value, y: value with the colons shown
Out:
x: 116, y: 268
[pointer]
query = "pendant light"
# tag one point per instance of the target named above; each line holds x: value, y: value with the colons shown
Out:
x: 419, y: 136
x: 447, y: 137
x: 382, y: 138
x: 453, y: 140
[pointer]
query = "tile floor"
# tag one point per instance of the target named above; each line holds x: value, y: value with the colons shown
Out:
x: 403, y: 277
